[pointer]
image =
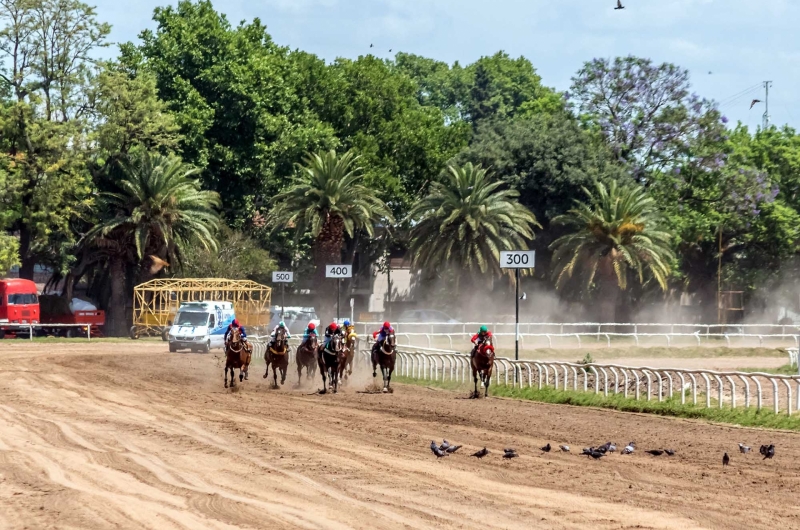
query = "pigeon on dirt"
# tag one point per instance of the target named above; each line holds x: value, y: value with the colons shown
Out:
x: 770, y: 452
x: 480, y: 454
x: 670, y: 452
x: 612, y: 448
x: 763, y: 449
x: 743, y: 449
x: 445, y: 445
x: 725, y: 460
x: 509, y: 450
x: 564, y: 448
x: 619, y: 5
x: 628, y: 449
x: 510, y: 454
x: 435, y: 449
x: 452, y: 449
x: 655, y: 452
x: 597, y: 455
x: 588, y: 450
x: 546, y: 448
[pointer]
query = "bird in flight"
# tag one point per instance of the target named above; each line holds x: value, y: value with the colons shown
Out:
x: 371, y: 45
x: 753, y: 103
x: 390, y: 50
x: 619, y: 5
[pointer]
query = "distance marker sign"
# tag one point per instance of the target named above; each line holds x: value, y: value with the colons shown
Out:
x: 282, y: 277
x: 517, y: 259
x: 338, y: 271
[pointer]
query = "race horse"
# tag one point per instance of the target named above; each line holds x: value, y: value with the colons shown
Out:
x: 237, y: 355
x: 385, y: 357
x: 329, y: 360
x: 350, y: 347
x: 483, y: 364
x: 306, y: 357
x: 278, y: 357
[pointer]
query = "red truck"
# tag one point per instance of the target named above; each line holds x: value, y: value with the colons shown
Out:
x: 19, y: 306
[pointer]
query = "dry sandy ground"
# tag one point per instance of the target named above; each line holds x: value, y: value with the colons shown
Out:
x: 129, y: 436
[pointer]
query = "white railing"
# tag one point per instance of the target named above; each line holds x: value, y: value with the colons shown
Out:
x: 31, y: 327
x: 578, y: 339
x: 570, y: 328
x: 639, y: 382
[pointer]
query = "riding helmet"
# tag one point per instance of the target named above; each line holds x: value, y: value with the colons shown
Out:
x: 281, y: 324
x: 386, y: 325
x: 346, y: 322
x: 484, y: 329
x: 334, y: 326
x: 311, y: 325
x: 235, y: 322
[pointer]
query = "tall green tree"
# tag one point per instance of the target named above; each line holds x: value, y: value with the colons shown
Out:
x: 47, y: 48
x: 328, y: 199
x: 159, y: 210
x: 465, y: 221
x: 614, y: 237
x: 234, y: 95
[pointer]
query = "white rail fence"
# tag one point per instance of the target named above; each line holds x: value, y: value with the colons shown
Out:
x: 578, y: 339
x: 641, y: 383
x: 570, y: 328
x: 30, y: 327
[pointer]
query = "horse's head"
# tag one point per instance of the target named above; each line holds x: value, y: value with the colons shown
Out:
x: 389, y: 343
x: 235, y: 336
x: 280, y: 337
x: 336, y: 345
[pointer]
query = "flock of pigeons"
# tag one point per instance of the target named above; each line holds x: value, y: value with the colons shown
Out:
x: 446, y: 449
x: 767, y: 451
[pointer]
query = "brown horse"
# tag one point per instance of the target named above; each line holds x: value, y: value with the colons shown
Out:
x: 238, y: 354
x: 277, y: 356
x: 350, y: 346
x: 329, y: 359
x: 385, y: 355
x: 483, y: 364
x: 306, y: 357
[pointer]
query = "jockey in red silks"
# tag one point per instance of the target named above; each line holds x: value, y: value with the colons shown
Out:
x: 380, y: 335
x: 235, y: 324
x: 480, y: 338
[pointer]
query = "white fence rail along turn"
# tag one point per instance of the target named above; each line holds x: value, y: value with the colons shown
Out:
x: 704, y: 387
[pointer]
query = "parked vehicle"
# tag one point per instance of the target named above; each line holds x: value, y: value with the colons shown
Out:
x: 200, y: 326
x: 19, y: 304
x: 295, y: 318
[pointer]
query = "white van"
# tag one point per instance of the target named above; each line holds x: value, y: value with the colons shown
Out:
x: 200, y: 326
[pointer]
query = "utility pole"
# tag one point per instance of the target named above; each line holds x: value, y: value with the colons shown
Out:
x: 765, y: 123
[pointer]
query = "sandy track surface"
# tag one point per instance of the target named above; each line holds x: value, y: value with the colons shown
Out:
x: 127, y: 436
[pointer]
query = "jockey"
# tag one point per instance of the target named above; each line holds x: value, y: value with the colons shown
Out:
x: 332, y: 329
x: 281, y: 325
x: 349, y: 329
x: 235, y: 324
x: 479, y: 338
x: 380, y: 335
x: 310, y: 330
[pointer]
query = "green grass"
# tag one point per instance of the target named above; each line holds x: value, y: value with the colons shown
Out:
x: 669, y: 407
x: 786, y: 369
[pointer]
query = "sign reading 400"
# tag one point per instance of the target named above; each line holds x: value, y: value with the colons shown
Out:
x: 518, y: 259
x: 338, y: 271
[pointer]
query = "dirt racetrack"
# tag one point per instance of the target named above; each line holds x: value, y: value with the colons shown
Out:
x: 125, y: 435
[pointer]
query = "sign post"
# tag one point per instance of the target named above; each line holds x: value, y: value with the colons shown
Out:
x: 517, y: 259
x: 282, y: 277
x: 338, y: 272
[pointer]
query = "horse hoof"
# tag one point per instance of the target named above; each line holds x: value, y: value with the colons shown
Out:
x: 385, y: 390
x: 265, y: 376
x: 374, y: 374
x: 226, y: 385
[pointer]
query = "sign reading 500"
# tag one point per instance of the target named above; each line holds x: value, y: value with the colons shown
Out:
x: 338, y: 271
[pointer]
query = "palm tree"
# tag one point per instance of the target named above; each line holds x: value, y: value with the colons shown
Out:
x: 466, y: 220
x: 328, y: 199
x: 158, y: 212
x: 616, y: 233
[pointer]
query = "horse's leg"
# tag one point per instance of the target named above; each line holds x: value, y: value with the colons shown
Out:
x: 374, y: 363
x: 475, y: 379
x: 266, y: 361
x: 275, y: 375
x: 225, y: 376
x: 384, y: 373
x: 389, y: 378
x: 322, y: 372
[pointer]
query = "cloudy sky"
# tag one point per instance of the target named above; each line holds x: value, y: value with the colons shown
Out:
x: 729, y: 46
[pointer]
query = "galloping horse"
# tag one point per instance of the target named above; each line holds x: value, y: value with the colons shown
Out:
x: 278, y: 357
x: 350, y: 346
x: 329, y: 359
x: 385, y: 356
x: 306, y: 357
x: 237, y: 355
x: 483, y: 363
